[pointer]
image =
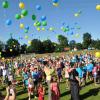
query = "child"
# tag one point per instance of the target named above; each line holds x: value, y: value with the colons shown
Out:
x: 94, y: 72
x: 30, y: 87
x: 67, y: 74
x: 55, y: 89
x: 41, y: 92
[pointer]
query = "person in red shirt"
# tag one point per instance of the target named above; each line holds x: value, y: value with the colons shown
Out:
x: 41, y: 92
x: 55, y: 89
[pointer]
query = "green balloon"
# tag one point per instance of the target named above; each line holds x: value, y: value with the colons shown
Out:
x: 26, y: 31
x: 24, y: 12
x: 38, y: 24
x: 44, y: 23
x: 5, y: 4
x: 17, y: 16
x: 33, y: 17
x: 67, y: 29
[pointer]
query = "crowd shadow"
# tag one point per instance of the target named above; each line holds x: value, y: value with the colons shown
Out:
x: 65, y: 93
x: 91, y: 92
x: 21, y: 92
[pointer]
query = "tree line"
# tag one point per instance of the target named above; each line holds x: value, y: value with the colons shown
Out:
x: 14, y: 48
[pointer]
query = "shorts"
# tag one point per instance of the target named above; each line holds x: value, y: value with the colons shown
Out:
x: 30, y: 89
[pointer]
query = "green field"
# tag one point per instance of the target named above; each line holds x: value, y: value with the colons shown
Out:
x: 89, y: 92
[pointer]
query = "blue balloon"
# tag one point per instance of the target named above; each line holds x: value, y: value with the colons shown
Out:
x: 71, y: 33
x: 27, y: 27
x: 43, y: 18
x: 8, y: 22
x: 55, y: 1
x: 38, y: 7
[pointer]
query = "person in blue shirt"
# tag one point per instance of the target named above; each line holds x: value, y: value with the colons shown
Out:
x: 89, y: 70
x: 25, y: 78
x: 80, y: 73
x: 35, y: 77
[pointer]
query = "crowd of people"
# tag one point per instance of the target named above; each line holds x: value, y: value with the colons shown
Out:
x: 39, y: 73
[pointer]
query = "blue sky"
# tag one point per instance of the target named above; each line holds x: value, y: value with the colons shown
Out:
x: 89, y: 19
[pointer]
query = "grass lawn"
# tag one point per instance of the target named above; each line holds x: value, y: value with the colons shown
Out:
x: 89, y: 92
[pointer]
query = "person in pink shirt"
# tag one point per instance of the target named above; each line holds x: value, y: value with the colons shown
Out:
x: 41, y: 92
x: 94, y: 72
x: 55, y: 91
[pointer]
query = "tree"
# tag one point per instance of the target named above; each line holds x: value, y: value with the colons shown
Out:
x: 1, y: 45
x: 23, y: 48
x: 72, y: 44
x: 48, y: 46
x: 79, y: 46
x: 12, y: 47
x: 36, y: 46
x: 86, y: 40
x: 63, y: 40
x: 97, y: 44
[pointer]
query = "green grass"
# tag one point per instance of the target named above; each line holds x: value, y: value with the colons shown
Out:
x: 89, y: 92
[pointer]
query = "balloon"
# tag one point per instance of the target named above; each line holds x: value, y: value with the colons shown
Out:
x: 29, y: 42
x: 55, y: 4
x: 38, y: 7
x: 26, y: 31
x: 55, y: 1
x: 21, y: 5
x: 10, y: 50
x: 43, y: 29
x: 33, y: 17
x: 27, y: 27
x: 35, y: 24
x: 97, y: 54
x: 76, y: 15
x: 71, y: 33
x: 8, y: 22
x: 22, y: 16
x: 24, y: 12
x: 38, y: 23
x: 98, y: 7
x: 77, y: 35
x: 64, y: 29
x: 21, y: 25
x: 17, y: 16
x: 67, y: 29
x: 38, y: 29
x: 5, y: 4
x: 51, y: 28
x: 43, y: 18
x: 26, y: 37
x: 44, y: 23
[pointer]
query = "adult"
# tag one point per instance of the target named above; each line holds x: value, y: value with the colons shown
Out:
x: 74, y: 83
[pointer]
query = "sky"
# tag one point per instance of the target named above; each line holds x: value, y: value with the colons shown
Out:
x: 57, y: 17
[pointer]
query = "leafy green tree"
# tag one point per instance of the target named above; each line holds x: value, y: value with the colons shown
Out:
x: 48, y: 46
x: 79, y: 46
x: 72, y: 44
x: 86, y: 40
x: 1, y: 45
x: 36, y: 46
x: 23, y: 48
x: 63, y: 41
x: 13, y: 43
x: 97, y: 44
x: 12, y: 47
